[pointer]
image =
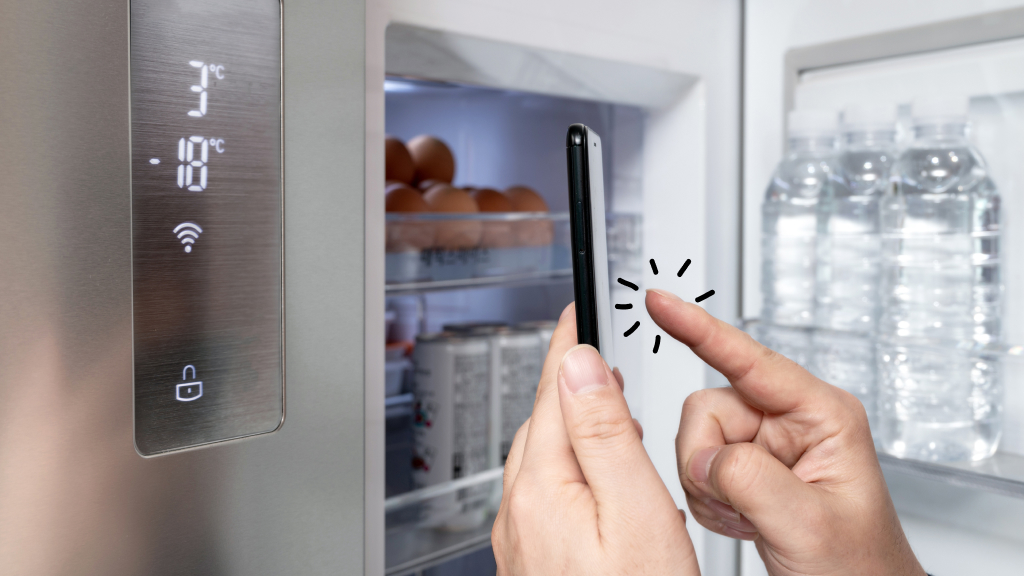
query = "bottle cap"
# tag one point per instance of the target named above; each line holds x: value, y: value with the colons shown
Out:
x: 858, y: 117
x: 812, y: 123
x: 940, y: 110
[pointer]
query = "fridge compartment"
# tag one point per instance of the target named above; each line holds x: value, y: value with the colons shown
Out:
x: 504, y: 117
x: 512, y: 246
x: 1003, y: 473
x: 431, y: 525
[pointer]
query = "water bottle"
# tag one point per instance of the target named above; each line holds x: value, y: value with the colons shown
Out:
x: 789, y: 232
x: 849, y: 255
x: 940, y: 397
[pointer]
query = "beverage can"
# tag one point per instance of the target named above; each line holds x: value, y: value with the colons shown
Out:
x: 451, y: 425
x: 514, y: 367
x: 515, y: 372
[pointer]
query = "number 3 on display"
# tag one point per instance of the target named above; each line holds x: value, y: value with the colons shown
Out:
x: 204, y: 76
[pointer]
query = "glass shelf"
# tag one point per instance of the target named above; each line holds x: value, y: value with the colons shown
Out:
x: 411, y: 270
x: 507, y: 280
x: 1002, y: 474
x: 416, y: 534
x: 436, y: 251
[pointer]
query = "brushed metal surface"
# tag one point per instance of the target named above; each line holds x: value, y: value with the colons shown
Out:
x: 75, y: 496
x: 206, y: 221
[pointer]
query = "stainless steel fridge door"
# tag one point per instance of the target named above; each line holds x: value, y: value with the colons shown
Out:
x: 75, y: 496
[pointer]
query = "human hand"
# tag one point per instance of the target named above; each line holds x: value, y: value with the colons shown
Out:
x: 581, y: 496
x: 781, y: 458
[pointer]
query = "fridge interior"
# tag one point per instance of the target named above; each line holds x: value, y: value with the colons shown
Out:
x: 668, y: 132
x: 504, y: 108
x: 653, y: 117
x: 499, y: 139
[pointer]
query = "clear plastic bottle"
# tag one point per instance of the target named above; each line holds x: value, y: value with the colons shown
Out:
x: 789, y: 232
x: 849, y: 255
x: 940, y: 400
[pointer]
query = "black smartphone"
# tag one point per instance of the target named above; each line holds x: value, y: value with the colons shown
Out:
x: 589, y: 242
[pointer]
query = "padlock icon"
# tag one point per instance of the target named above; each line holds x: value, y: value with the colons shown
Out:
x: 188, y: 391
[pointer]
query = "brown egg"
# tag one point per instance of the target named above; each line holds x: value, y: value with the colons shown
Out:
x: 404, y: 198
x: 454, y: 234
x: 432, y: 158
x: 400, y: 235
x: 530, y: 232
x: 496, y: 233
x: 398, y: 163
x: 525, y: 199
x: 489, y: 200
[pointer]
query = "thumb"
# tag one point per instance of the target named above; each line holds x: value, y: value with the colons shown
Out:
x: 756, y: 484
x: 607, y: 445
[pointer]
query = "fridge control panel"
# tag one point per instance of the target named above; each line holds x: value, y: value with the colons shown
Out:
x: 207, y: 233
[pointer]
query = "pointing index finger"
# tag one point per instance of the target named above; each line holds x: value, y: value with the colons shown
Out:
x: 767, y: 380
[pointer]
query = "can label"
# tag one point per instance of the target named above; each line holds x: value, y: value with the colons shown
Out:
x: 520, y: 374
x: 515, y: 372
x: 469, y: 415
x: 451, y: 423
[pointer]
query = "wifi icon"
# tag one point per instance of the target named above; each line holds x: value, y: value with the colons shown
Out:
x: 188, y: 233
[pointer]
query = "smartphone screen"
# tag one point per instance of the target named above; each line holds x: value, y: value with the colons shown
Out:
x: 589, y: 242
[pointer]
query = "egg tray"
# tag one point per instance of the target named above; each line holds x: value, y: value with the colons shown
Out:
x: 436, y: 264
x: 406, y: 264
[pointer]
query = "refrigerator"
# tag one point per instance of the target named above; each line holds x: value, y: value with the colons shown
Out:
x: 200, y: 371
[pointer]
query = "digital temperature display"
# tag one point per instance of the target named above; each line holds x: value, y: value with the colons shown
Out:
x: 207, y: 235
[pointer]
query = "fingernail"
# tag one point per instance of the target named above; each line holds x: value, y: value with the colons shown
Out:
x: 743, y: 525
x: 664, y: 293
x: 738, y: 534
x: 724, y: 510
x: 583, y: 370
x: 730, y: 517
x: 700, y: 464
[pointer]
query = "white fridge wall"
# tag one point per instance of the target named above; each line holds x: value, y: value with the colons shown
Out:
x: 689, y: 169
